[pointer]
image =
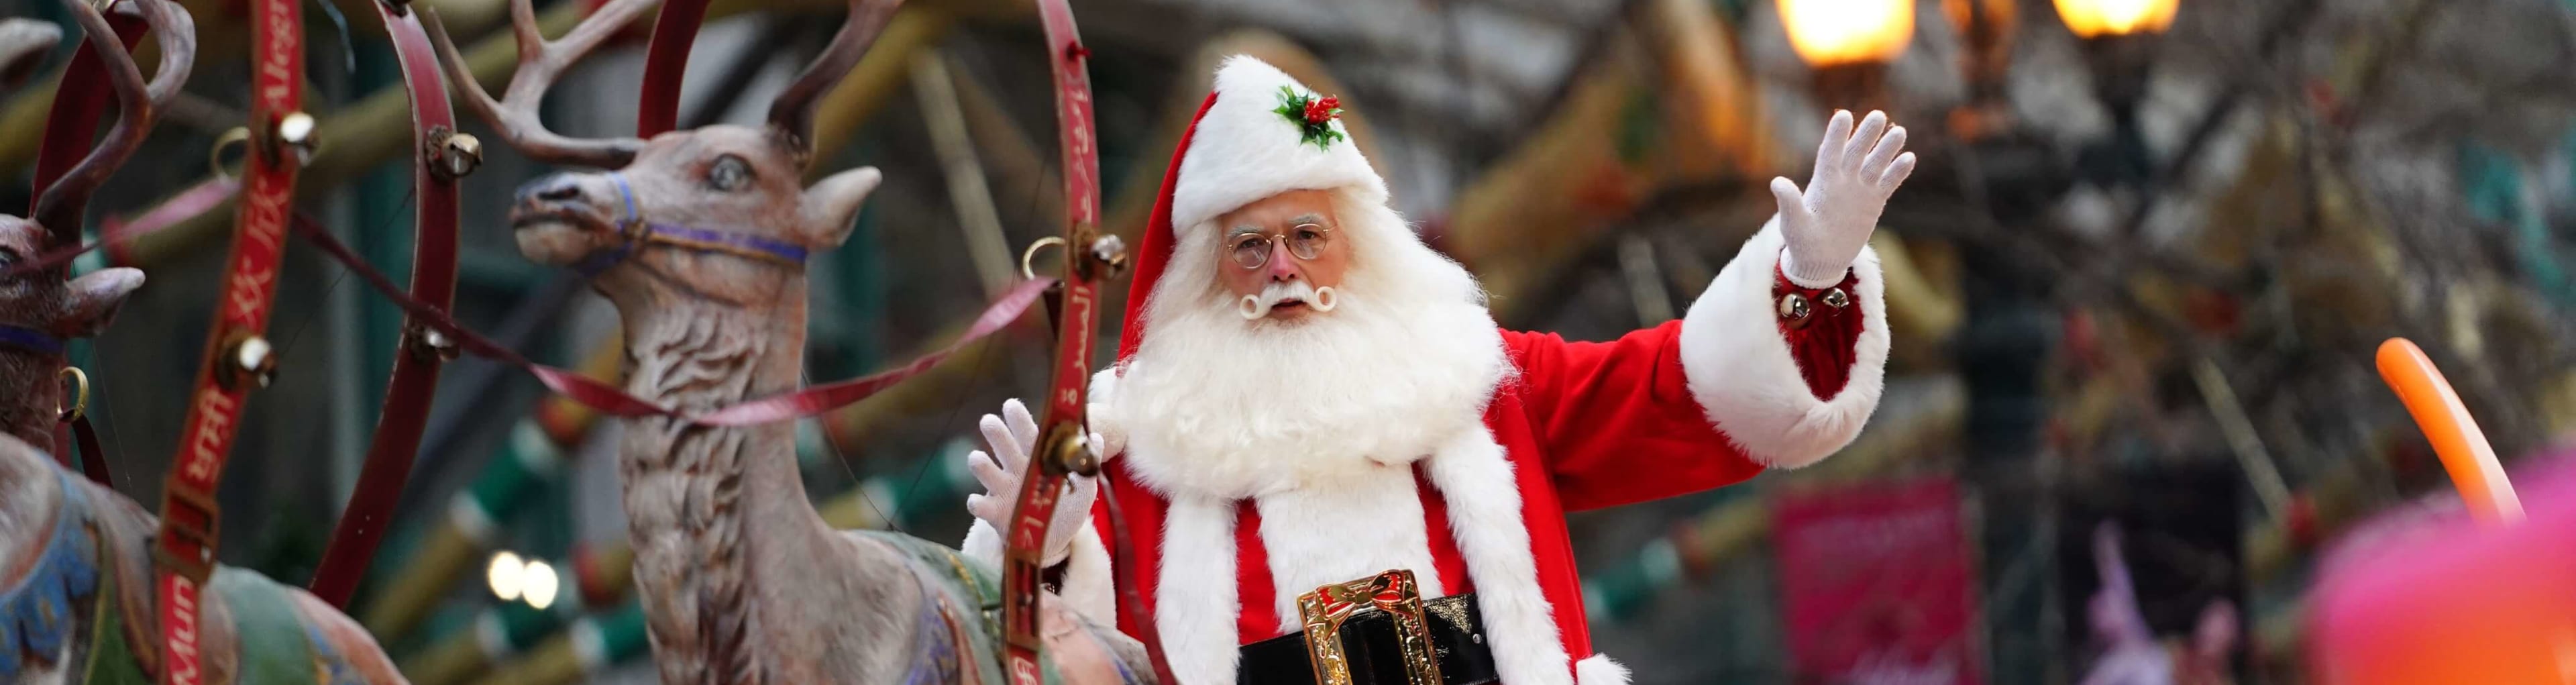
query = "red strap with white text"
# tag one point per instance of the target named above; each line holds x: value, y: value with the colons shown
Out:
x: 236, y: 358
x: 1089, y: 257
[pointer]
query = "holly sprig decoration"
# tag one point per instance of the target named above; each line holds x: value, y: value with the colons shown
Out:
x: 1313, y: 116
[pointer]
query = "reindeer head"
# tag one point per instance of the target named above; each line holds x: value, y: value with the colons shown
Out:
x: 40, y: 307
x: 716, y: 212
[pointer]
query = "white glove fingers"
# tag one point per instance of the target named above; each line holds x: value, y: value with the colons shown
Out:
x: 1023, y: 426
x: 1792, y: 204
x: 1837, y: 135
x: 1078, y: 492
x: 1884, y: 153
x: 1871, y: 128
x: 988, y: 473
x: 983, y: 508
x: 1896, y: 173
x: 1014, y: 455
x: 1099, y: 447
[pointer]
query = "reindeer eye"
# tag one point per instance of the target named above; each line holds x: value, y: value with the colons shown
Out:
x: 8, y: 259
x: 729, y: 173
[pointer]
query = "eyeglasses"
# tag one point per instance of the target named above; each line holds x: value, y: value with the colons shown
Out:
x: 1252, y: 250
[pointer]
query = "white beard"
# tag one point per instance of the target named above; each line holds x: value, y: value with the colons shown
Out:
x: 1216, y: 406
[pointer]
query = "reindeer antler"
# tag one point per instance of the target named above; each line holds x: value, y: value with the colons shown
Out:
x: 540, y: 62
x: 59, y: 209
x: 792, y: 113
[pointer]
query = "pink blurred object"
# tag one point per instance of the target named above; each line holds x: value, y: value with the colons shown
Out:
x: 2427, y: 595
x: 1877, y: 584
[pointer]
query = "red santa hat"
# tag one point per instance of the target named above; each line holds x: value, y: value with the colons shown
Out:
x: 1259, y: 133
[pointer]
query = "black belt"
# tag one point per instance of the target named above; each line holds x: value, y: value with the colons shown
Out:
x: 1368, y: 640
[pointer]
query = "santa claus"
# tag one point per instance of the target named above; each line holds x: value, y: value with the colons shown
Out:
x: 1306, y: 394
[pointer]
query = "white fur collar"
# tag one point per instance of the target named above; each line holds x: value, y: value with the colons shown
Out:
x: 1197, y: 598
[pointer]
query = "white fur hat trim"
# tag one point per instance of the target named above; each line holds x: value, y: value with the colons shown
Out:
x: 1243, y: 150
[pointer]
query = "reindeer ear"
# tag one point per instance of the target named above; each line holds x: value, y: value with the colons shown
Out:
x: 93, y: 301
x: 835, y: 202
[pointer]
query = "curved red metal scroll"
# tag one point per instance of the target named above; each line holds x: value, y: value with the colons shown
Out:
x: 666, y: 60
x: 440, y: 155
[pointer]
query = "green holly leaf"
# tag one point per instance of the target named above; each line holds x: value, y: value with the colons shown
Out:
x: 1294, y: 106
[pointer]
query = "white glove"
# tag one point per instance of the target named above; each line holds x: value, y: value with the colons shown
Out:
x: 1826, y: 226
x: 1011, y: 435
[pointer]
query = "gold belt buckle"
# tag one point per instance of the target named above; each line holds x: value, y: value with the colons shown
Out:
x: 1393, y: 592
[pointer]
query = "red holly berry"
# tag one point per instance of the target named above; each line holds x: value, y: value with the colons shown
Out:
x: 1318, y: 112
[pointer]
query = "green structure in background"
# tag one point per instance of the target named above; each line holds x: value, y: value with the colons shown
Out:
x: 2495, y: 185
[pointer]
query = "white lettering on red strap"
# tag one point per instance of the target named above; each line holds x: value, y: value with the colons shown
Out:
x: 282, y: 59
x: 180, y: 621
x: 206, y: 446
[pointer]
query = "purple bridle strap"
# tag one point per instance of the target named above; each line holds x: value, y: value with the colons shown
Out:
x: 639, y: 232
x: 30, y: 339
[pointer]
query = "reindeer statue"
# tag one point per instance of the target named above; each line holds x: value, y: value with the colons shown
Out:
x: 699, y: 239
x: 76, y: 595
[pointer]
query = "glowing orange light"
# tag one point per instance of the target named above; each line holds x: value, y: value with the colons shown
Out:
x: 2095, y: 18
x: 1831, y: 32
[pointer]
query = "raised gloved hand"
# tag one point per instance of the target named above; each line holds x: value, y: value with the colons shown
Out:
x: 1011, y: 436
x: 1827, y: 225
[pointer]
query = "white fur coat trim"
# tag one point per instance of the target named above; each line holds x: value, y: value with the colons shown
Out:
x: 1197, y: 599
x: 1243, y: 151
x: 1598, y: 669
x: 1475, y: 479
x: 1740, y: 368
x: 1357, y: 527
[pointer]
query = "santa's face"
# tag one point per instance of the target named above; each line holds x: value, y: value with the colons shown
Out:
x: 1212, y: 404
x: 1280, y: 257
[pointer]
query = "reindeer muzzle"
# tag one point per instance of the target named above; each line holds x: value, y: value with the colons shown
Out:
x: 635, y: 232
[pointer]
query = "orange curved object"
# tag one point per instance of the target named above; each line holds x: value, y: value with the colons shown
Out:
x: 2454, y: 434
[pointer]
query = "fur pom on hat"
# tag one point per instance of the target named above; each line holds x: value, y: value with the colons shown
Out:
x: 1266, y: 134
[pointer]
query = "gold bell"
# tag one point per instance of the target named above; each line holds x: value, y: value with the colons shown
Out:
x: 1111, y: 254
x: 431, y: 344
x: 454, y: 154
x: 1068, y: 452
x: 248, y: 358
x: 1836, y: 298
x: 295, y: 135
x: 1794, y: 307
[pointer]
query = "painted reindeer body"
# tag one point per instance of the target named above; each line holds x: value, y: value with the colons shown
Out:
x: 699, y: 238
x: 81, y: 554
x: 76, y: 573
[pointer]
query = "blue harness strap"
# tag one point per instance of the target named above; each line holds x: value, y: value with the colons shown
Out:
x: 639, y: 232
x: 30, y: 339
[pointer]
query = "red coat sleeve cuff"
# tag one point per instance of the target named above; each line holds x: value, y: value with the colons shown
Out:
x: 1822, y: 327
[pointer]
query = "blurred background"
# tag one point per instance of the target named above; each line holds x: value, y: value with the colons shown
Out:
x: 2135, y: 287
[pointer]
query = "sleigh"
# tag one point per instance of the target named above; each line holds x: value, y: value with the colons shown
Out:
x: 737, y: 588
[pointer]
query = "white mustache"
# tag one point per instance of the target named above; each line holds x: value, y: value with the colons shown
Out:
x: 1256, y: 306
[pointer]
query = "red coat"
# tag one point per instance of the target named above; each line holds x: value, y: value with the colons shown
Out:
x: 1690, y: 405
